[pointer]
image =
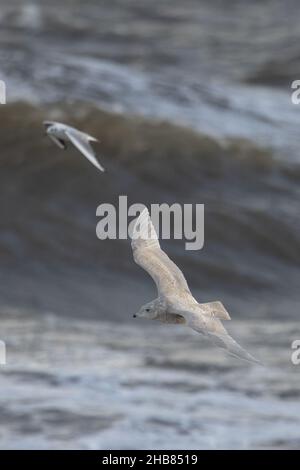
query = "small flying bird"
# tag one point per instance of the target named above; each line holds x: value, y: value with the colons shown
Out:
x: 60, y: 134
x: 175, y: 302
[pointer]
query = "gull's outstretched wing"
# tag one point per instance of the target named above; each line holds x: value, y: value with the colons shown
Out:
x: 148, y: 254
x: 214, y: 330
x: 81, y: 143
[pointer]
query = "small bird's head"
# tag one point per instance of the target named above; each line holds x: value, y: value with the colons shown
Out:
x: 49, y: 127
x: 149, y: 311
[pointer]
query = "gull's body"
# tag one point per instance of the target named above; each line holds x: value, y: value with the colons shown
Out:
x: 60, y: 134
x: 175, y: 302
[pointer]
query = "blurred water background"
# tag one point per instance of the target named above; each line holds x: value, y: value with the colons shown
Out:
x: 192, y: 104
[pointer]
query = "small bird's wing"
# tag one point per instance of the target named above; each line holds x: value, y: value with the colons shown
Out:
x: 213, y: 329
x: 81, y: 143
x: 148, y: 254
x: 59, y: 142
x: 90, y: 137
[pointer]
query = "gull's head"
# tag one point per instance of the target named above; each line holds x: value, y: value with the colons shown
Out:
x: 148, y: 311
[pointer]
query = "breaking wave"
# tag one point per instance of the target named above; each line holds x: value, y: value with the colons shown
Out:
x: 49, y: 201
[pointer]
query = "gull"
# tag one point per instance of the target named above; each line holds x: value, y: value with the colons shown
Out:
x: 60, y: 134
x: 175, y: 302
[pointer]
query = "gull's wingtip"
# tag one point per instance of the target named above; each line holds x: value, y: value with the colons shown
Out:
x: 256, y: 361
x: 226, y: 342
x: 143, y: 215
x: 143, y: 233
x: 240, y: 353
x: 251, y: 359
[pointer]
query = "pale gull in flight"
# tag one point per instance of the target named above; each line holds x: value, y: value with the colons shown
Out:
x: 61, y: 133
x: 175, y: 302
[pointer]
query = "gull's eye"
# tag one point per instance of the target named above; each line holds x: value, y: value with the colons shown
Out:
x: 147, y: 309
